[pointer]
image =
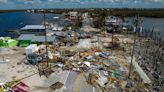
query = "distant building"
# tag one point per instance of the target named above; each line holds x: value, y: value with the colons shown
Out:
x: 73, y: 15
x: 112, y: 21
x: 85, y: 15
x: 86, y: 20
x: 27, y: 39
x: 33, y: 29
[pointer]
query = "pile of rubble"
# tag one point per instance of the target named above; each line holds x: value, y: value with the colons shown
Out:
x: 150, y: 57
x: 104, y: 68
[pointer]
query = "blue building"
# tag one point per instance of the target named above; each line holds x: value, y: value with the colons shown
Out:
x: 33, y: 29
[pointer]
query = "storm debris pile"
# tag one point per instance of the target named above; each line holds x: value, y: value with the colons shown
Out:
x: 103, y: 61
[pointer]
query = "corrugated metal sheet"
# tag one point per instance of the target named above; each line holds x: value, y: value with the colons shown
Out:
x: 34, y: 38
x: 26, y: 37
x: 42, y: 39
x: 33, y: 27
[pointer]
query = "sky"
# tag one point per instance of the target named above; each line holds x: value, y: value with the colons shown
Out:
x: 42, y: 4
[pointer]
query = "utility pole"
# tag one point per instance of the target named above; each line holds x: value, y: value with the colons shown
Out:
x: 152, y: 32
x: 134, y: 43
x: 113, y: 36
x: 45, y: 33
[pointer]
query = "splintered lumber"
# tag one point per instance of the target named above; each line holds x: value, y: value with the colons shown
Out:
x: 56, y: 85
x: 92, y: 80
x: 142, y: 74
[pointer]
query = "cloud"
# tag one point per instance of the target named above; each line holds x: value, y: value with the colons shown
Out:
x: 26, y: 4
x: 158, y: 0
x: 3, y: 1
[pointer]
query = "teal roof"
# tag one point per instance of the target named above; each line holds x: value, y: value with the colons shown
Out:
x: 28, y: 27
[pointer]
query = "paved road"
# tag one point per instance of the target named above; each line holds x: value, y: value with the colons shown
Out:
x: 71, y: 82
x: 84, y: 87
x: 77, y: 83
x: 63, y: 79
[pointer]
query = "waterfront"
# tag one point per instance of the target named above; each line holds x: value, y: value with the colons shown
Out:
x: 150, y: 23
x: 94, y: 57
x: 16, y: 20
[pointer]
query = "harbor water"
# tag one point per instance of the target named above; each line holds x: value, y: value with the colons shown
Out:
x: 16, y: 20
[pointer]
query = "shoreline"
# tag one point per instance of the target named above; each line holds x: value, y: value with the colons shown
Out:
x: 123, y: 12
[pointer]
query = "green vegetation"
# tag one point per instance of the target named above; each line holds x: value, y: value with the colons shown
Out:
x: 126, y: 12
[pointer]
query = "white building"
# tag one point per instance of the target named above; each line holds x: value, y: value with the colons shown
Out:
x: 73, y: 15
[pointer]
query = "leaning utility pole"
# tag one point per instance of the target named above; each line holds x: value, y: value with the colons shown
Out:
x: 113, y: 36
x: 113, y: 30
x: 152, y: 32
x: 134, y: 43
x: 45, y: 33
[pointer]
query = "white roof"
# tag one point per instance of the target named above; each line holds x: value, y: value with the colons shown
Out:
x: 55, y: 17
x: 57, y: 28
x: 33, y: 27
x: 113, y: 19
x: 73, y: 13
x: 31, y: 46
x: 1, y: 38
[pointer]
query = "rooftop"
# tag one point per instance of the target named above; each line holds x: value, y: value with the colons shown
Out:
x: 33, y: 27
x: 42, y: 39
x: 73, y: 13
x: 35, y: 38
x: 26, y: 37
x: 113, y: 19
